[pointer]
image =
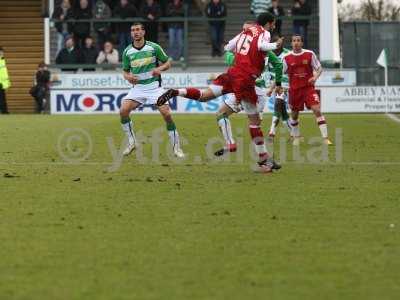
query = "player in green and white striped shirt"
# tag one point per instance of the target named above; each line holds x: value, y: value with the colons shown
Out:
x: 280, y: 52
x: 141, y: 67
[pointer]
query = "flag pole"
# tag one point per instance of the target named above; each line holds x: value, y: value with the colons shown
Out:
x: 386, y: 88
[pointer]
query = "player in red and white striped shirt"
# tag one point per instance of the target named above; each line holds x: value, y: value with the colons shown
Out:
x: 303, y: 69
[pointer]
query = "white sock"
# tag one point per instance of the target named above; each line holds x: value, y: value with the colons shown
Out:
x: 295, y: 128
x: 182, y: 92
x: 128, y: 129
x: 174, y: 139
x: 323, y: 127
x: 288, y: 126
x: 274, y: 123
x: 226, y: 129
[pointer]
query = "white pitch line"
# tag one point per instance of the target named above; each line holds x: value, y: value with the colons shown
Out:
x: 328, y: 163
x: 393, y: 117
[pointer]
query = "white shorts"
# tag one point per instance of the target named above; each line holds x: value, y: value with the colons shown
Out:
x: 250, y: 109
x: 145, y: 96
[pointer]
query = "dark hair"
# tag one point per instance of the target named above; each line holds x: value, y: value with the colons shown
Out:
x: 138, y: 24
x: 41, y: 64
x: 298, y: 35
x: 265, y: 18
x: 276, y: 36
x: 249, y: 22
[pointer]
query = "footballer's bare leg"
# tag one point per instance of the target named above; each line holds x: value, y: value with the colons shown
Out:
x: 127, y: 126
x: 202, y: 95
x: 224, y: 125
x: 323, y: 127
x: 173, y: 134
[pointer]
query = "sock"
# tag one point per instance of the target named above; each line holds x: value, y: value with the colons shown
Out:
x: 288, y: 126
x: 323, y: 127
x: 295, y: 128
x: 274, y: 123
x: 173, y: 136
x: 225, y: 127
x: 127, y: 127
x: 191, y: 93
x: 258, y: 139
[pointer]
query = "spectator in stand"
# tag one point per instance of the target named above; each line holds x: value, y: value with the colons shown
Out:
x: 259, y: 6
x: 112, y: 4
x: 89, y: 53
x: 216, y: 9
x: 4, y: 83
x: 175, y: 30
x: 101, y: 11
x: 61, y: 13
x: 69, y: 55
x: 124, y: 10
x: 277, y: 11
x: 40, y: 91
x: 109, y: 55
x: 301, y: 8
x: 151, y: 12
x: 81, y: 30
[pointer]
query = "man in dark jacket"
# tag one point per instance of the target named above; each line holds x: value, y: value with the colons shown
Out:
x: 61, y: 13
x: 41, y: 89
x: 124, y: 10
x: 103, y: 30
x: 151, y: 12
x: 69, y: 55
x: 89, y: 53
x: 277, y: 11
x: 301, y: 8
x: 216, y: 9
x: 81, y: 29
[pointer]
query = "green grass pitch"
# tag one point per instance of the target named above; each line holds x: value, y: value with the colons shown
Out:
x: 324, y: 228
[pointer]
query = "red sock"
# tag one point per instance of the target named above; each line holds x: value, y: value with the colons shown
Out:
x: 193, y: 93
x: 258, y: 138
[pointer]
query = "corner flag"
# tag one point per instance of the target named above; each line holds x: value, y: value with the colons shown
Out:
x: 383, y: 59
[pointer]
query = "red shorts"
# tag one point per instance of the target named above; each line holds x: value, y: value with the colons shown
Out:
x: 307, y: 96
x: 242, y: 85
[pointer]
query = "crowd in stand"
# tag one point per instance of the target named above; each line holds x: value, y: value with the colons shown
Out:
x: 300, y: 8
x: 75, y: 41
x: 79, y: 43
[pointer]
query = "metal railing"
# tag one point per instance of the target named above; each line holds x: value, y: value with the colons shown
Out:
x: 184, y: 20
x: 362, y: 42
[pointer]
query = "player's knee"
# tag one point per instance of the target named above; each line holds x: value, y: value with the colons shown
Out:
x: 222, y: 115
x: 317, y: 112
x: 124, y: 112
x: 167, y: 117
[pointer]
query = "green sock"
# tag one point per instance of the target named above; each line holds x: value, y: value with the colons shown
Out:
x: 125, y: 120
x: 171, y: 126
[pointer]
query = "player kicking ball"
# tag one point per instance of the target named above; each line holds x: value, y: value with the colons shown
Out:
x: 303, y: 69
x: 141, y: 69
x: 250, y: 48
x: 230, y: 106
